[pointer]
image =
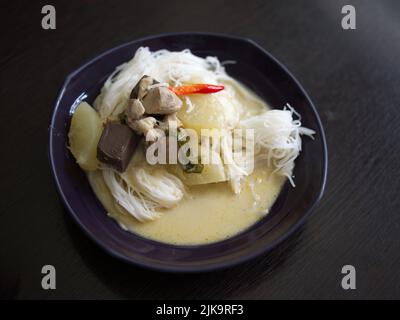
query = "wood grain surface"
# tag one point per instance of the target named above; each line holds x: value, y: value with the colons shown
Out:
x: 352, y: 76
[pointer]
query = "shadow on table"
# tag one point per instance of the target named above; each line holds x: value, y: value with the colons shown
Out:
x: 128, y: 281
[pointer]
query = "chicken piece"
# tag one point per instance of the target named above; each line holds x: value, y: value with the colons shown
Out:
x: 141, y: 88
x: 173, y: 118
x: 134, y: 110
x: 145, y: 126
x: 169, y: 122
x: 153, y: 135
x: 160, y: 100
x: 142, y: 126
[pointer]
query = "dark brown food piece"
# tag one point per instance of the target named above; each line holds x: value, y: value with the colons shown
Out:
x: 117, y: 145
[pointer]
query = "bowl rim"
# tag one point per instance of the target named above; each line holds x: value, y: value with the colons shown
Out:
x: 188, y: 269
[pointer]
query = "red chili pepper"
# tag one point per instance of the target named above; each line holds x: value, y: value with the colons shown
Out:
x: 196, y: 88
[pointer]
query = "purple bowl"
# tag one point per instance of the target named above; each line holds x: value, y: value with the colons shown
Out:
x: 257, y: 69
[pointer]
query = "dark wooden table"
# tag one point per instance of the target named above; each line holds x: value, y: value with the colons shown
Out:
x: 353, y: 77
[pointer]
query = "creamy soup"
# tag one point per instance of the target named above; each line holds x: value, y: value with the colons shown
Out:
x: 209, y: 213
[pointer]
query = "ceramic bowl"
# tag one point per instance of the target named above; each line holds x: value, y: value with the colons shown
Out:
x: 257, y: 69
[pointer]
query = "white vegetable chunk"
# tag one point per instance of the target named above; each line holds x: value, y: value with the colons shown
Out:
x: 212, y: 172
x: 209, y: 111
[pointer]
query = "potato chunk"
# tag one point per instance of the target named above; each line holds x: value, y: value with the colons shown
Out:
x: 210, y: 111
x: 84, y: 135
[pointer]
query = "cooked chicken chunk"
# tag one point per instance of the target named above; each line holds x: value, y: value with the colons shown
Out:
x: 161, y: 100
x: 134, y: 110
x: 142, y: 126
x: 145, y: 127
x: 173, y: 118
x: 169, y: 121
